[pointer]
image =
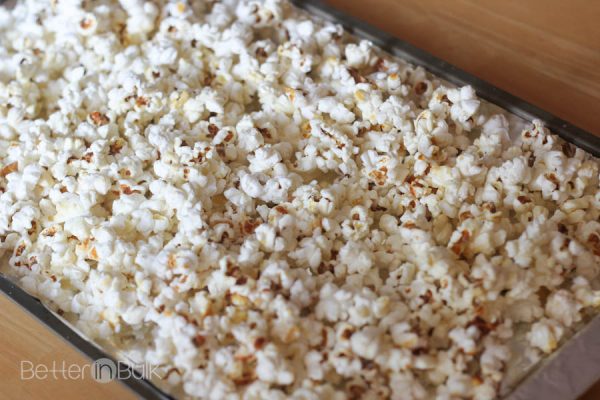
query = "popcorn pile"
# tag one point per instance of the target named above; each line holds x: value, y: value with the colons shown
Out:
x: 266, y: 209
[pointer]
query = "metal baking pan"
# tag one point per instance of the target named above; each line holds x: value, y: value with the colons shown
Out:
x: 564, y: 375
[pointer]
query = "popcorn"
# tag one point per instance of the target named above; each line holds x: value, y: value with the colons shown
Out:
x: 358, y: 55
x: 270, y: 368
x: 281, y: 211
x: 267, y: 237
x: 366, y: 342
x: 545, y: 335
x: 464, y: 103
x: 515, y: 171
x: 356, y: 257
x: 251, y: 185
x: 561, y: 306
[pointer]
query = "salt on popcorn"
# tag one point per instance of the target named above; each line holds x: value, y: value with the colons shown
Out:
x: 266, y: 208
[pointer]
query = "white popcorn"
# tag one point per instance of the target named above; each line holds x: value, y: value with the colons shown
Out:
x: 336, y: 110
x: 465, y: 104
x: 358, y: 55
x: 251, y: 185
x: 465, y: 339
x: 23, y: 219
x: 515, y: 172
x: 545, y: 335
x: 264, y: 158
x: 466, y: 163
x: 365, y: 342
x: 271, y: 368
x: 356, y: 257
x: 263, y: 207
x: 561, y: 306
x: 267, y: 237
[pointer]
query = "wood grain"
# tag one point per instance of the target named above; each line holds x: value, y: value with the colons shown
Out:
x: 23, y: 338
x: 545, y: 51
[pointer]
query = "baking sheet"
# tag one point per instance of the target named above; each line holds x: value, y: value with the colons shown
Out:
x: 565, y: 375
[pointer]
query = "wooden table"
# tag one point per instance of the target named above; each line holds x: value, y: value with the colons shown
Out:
x: 545, y: 51
x: 25, y: 339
